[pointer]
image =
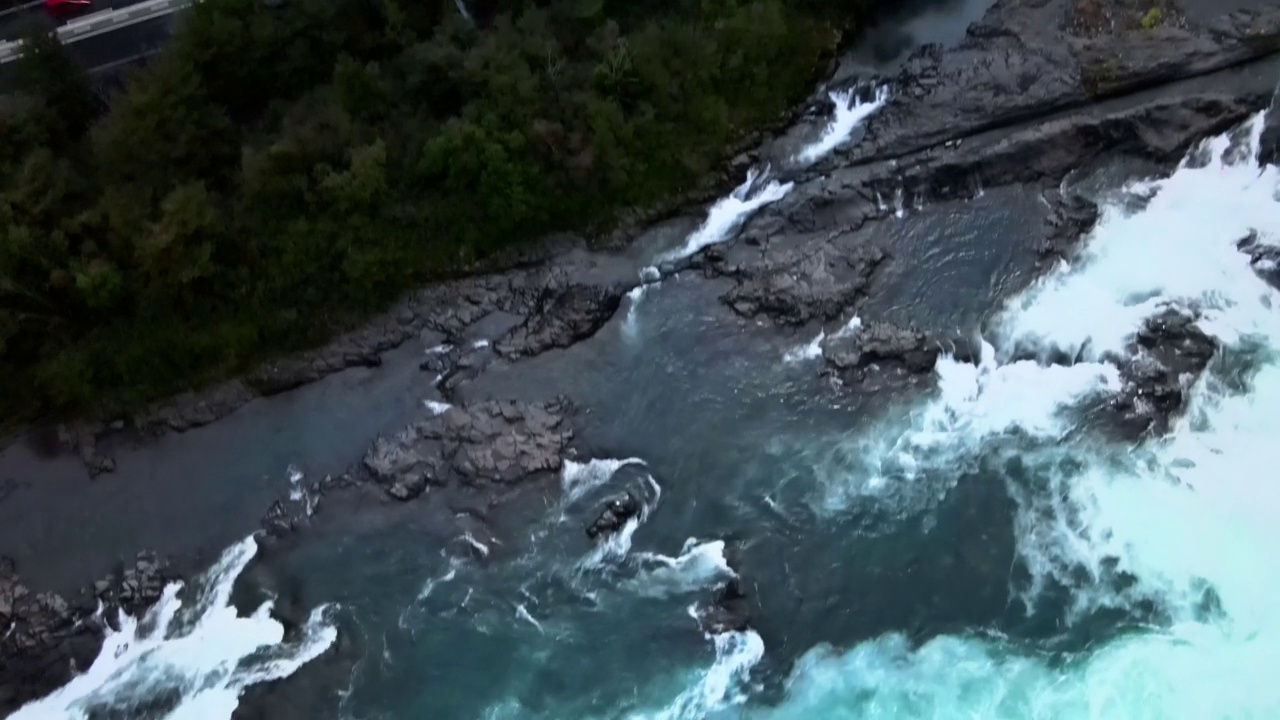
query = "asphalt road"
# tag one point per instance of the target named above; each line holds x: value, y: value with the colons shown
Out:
x: 112, y: 52
x: 15, y: 21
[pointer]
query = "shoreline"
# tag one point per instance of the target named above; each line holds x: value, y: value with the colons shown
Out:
x: 563, y: 300
x: 1165, y: 56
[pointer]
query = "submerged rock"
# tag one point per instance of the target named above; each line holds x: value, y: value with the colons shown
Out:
x: 729, y: 611
x: 1071, y: 218
x: 615, y: 515
x: 481, y: 444
x: 1167, y: 356
x: 1269, y: 143
x: 1264, y: 259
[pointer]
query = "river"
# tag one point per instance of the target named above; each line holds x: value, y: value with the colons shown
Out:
x: 973, y: 545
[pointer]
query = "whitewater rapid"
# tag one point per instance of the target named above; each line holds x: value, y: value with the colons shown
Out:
x: 759, y: 189
x: 1183, y: 524
x: 1189, y: 520
x: 188, y: 658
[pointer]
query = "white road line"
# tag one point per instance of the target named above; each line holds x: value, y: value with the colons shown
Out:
x: 103, y: 22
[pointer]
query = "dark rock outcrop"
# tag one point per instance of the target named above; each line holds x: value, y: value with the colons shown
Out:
x: 288, y: 514
x: 83, y: 440
x: 1028, y: 58
x: 482, y: 444
x: 1071, y: 218
x: 805, y: 283
x: 1269, y: 150
x: 44, y: 638
x: 1166, y: 357
x: 1023, y: 61
x: 1168, y: 49
x: 728, y: 611
x: 1264, y: 259
x: 615, y: 515
x: 561, y: 319
x: 881, y: 349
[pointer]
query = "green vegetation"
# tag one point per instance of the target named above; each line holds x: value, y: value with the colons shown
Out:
x: 1152, y: 19
x: 284, y: 168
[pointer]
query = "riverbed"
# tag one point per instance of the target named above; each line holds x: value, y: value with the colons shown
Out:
x: 969, y: 543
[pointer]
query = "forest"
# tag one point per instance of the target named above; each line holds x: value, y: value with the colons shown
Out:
x: 282, y: 169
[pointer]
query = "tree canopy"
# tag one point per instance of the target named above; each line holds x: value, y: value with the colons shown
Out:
x: 283, y: 167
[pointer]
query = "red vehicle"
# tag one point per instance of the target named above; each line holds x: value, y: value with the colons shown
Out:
x: 66, y: 8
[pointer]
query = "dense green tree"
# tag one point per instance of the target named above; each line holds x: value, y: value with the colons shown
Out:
x: 165, y: 130
x: 45, y: 71
x: 283, y: 167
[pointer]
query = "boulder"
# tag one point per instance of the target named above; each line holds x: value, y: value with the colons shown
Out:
x: 615, y: 515
x: 729, y: 610
x: 45, y: 639
x: 818, y: 285
x: 1263, y: 258
x: 562, y: 318
x: 880, y: 344
x: 1166, y: 357
x: 481, y: 444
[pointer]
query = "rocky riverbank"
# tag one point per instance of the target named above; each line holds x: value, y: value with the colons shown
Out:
x: 1038, y: 89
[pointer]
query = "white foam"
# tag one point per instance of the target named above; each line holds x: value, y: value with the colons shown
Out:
x: 850, y: 112
x: 910, y: 462
x: 522, y: 613
x: 1137, y: 262
x: 435, y: 407
x: 631, y: 323
x: 719, y: 686
x: 479, y: 547
x: 700, y: 565
x: 616, y: 545
x: 295, y: 483
x: 204, y: 654
x: 728, y: 213
x: 578, y: 479
x: 430, y: 585
x: 1189, y: 519
x: 811, y: 350
x: 849, y: 328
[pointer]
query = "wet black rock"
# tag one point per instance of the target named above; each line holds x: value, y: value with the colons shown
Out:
x: 481, y: 444
x: 614, y: 516
x: 1166, y: 357
x: 83, y: 440
x: 45, y: 639
x: 1263, y: 258
x: 1026, y: 59
x: 1269, y: 143
x: 1172, y: 50
x: 1071, y: 218
x: 288, y: 514
x: 798, y: 284
x: 878, y: 344
x: 446, y: 309
x: 561, y: 319
x: 729, y: 611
